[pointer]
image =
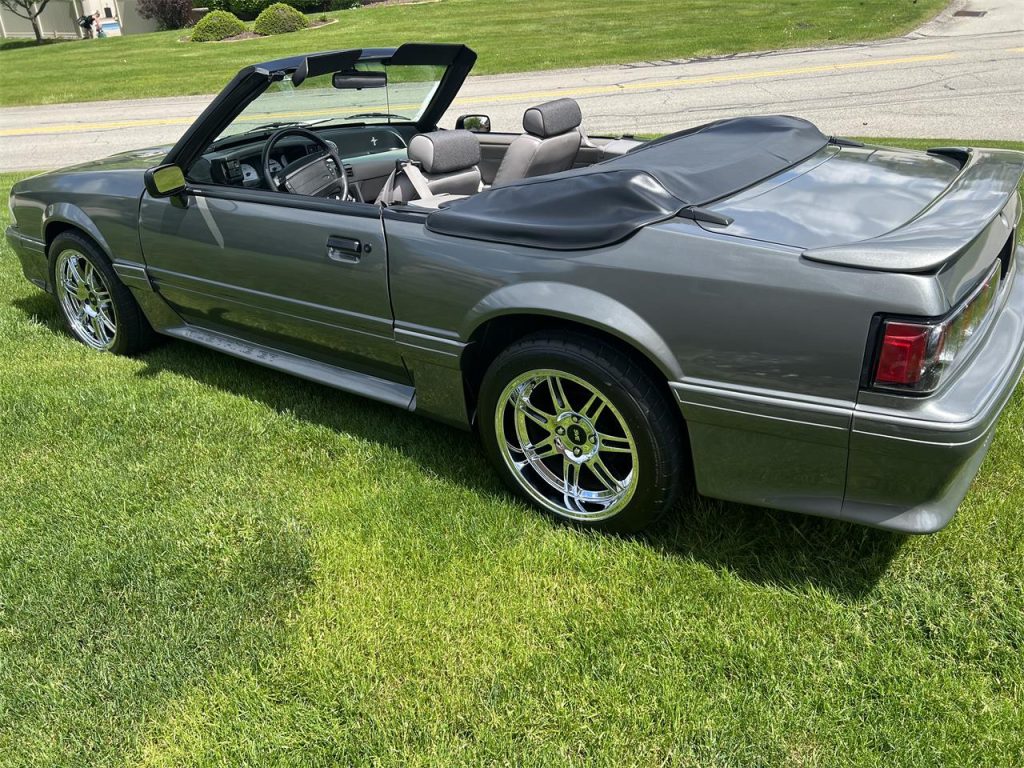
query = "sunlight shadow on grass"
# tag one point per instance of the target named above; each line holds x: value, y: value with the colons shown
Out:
x: 759, y: 545
x: 780, y: 549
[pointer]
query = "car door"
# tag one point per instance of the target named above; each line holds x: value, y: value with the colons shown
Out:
x: 304, y: 275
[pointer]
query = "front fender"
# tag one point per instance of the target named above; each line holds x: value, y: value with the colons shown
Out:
x: 69, y: 213
x: 579, y: 305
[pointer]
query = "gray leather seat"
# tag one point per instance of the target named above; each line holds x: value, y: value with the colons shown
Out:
x: 445, y: 162
x: 550, y: 144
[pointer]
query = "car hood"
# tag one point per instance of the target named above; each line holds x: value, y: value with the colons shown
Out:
x: 839, y: 195
x: 134, y: 159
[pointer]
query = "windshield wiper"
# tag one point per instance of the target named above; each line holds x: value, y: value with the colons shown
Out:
x: 283, y: 123
x: 362, y: 115
x: 266, y: 127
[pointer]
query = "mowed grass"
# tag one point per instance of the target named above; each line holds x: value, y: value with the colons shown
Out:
x: 204, y: 563
x: 508, y: 35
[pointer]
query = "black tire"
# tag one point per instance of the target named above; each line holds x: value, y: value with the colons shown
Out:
x: 651, y: 425
x: 132, y: 333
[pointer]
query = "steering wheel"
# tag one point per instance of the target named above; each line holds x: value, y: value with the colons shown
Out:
x: 319, y: 175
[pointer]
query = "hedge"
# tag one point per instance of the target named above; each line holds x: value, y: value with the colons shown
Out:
x: 250, y: 9
x: 217, y: 25
x: 278, y: 19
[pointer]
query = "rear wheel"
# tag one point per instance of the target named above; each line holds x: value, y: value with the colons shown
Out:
x: 581, y: 430
x: 97, y: 308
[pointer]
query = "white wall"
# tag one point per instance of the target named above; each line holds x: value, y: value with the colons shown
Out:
x: 60, y: 18
x: 131, y: 22
x: 14, y: 26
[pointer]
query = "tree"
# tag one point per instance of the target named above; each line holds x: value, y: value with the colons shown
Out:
x: 169, y: 14
x: 28, y: 9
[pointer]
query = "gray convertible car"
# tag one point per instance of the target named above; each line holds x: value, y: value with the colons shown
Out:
x: 790, y: 319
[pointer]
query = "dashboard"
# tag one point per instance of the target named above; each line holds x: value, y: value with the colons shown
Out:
x: 369, y: 154
x: 251, y: 177
x: 243, y: 170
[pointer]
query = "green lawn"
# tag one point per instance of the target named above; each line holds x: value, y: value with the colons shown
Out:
x: 206, y: 563
x: 509, y: 36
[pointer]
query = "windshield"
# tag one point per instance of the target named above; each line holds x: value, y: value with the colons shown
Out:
x: 405, y: 98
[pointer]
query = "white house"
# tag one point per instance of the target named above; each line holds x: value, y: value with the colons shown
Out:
x: 60, y: 19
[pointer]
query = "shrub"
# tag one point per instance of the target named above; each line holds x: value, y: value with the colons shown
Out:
x: 217, y: 25
x: 247, y: 9
x: 278, y: 19
x: 250, y: 9
x: 169, y: 14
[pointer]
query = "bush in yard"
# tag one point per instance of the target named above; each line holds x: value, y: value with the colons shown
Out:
x: 217, y: 25
x: 250, y: 9
x: 169, y: 14
x: 278, y: 19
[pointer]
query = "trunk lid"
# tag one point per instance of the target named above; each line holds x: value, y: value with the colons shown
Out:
x: 839, y: 195
x: 950, y: 212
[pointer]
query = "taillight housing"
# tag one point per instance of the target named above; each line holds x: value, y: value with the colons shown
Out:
x: 915, y: 356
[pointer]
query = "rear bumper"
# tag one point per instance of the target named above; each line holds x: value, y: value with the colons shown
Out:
x: 32, y: 255
x: 891, y: 462
x: 909, y: 468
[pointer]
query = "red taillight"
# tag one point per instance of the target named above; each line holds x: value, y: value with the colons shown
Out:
x: 903, y: 355
x: 916, y: 356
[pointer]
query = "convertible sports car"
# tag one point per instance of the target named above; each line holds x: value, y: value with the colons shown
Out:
x: 800, y: 321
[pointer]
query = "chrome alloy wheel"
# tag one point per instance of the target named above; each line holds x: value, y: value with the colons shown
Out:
x: 566, y: 444
x: 85, y: 299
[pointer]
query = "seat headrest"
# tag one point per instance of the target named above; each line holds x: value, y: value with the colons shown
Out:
x: 444, y: 151
x: 552, y: 118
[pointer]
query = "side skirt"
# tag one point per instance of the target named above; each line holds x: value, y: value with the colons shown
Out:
x: 399, y: 395
x: 433, y: 362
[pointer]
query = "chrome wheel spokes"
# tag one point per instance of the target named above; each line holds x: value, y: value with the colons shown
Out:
x: 85, y: 299
x: 567, y: 444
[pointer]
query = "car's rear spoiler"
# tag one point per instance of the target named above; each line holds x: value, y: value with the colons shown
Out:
x: 983, y: 188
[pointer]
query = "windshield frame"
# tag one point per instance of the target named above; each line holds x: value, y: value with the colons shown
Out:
x: 253, y: 80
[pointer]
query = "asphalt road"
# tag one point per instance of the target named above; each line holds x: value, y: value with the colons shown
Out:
x: 957, y: 77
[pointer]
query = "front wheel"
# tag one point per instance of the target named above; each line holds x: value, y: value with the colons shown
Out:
x: 97, y: 308
x: 580, y: 429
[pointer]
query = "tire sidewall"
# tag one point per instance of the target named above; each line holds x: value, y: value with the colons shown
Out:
x: 644, y: 507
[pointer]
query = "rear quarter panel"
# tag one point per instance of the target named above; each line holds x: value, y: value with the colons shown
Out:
x: 708, y: 307
x: 763, y: 349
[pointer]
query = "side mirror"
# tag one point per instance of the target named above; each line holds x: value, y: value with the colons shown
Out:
x: 165, y: 181
x: 474, y: 123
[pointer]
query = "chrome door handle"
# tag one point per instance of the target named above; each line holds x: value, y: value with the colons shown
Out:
x: 344, y: 249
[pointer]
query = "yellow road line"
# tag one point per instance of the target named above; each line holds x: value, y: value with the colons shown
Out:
x: 703, y: 79
x: 521, y: 96
x: 157, y: 121
x: 1015, y: 50
x: 87, y: 127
